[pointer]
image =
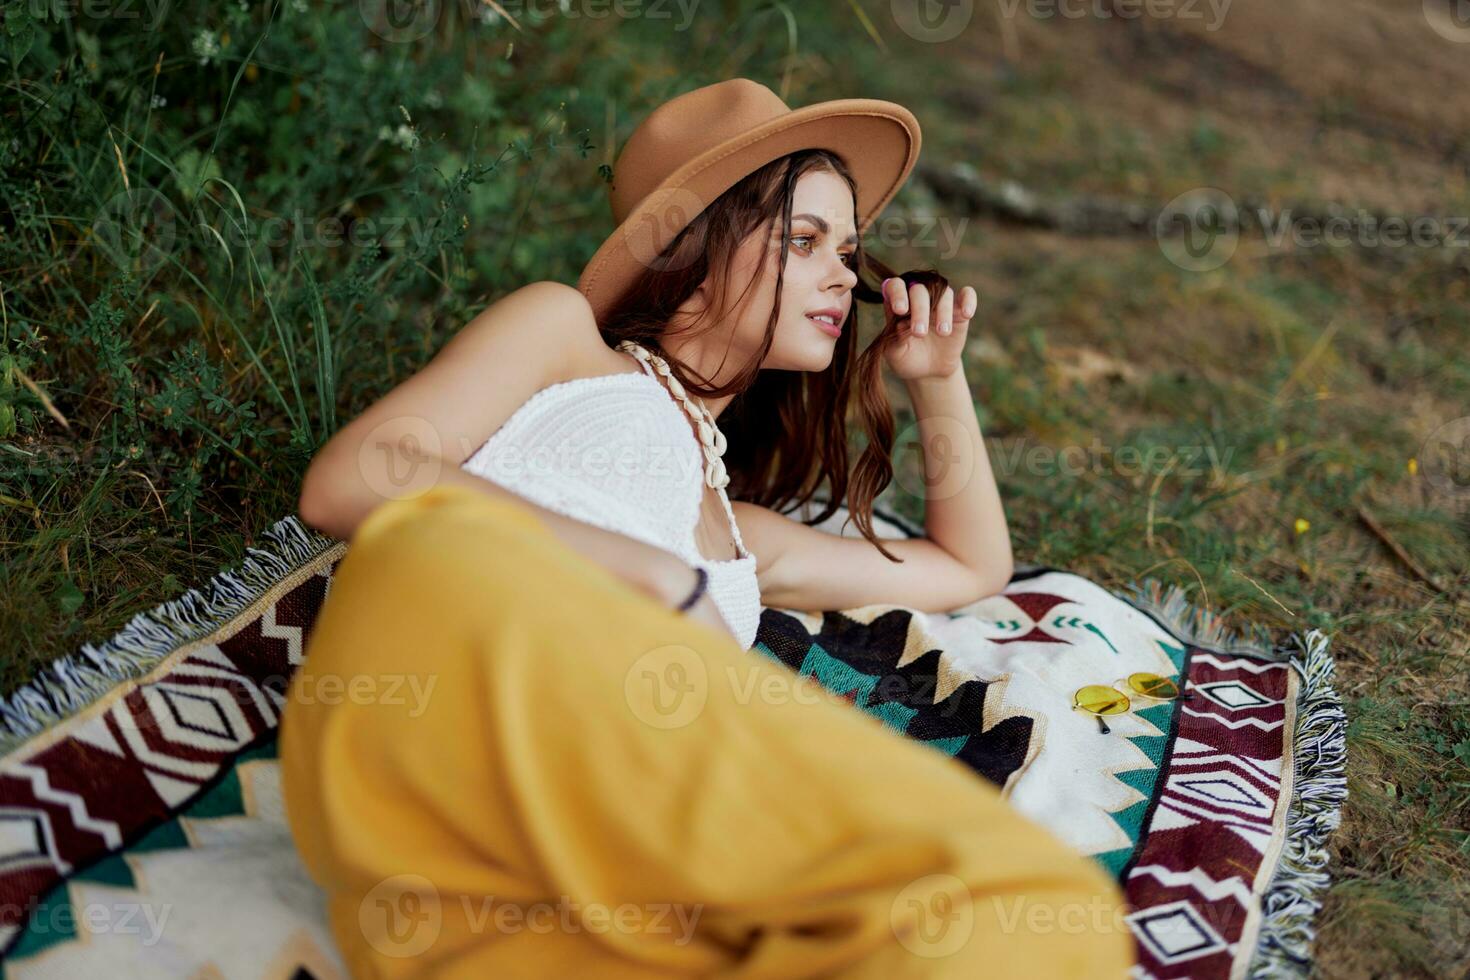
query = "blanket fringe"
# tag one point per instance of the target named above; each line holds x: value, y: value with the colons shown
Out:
x: 1196, y: 625
x: 70, y: 683
x: 1319, y: 788
x: 1290, y: 903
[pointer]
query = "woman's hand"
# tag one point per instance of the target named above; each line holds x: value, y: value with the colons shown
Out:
x: 933, y: 343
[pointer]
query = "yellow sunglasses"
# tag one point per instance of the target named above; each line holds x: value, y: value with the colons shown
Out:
x: 1100, y: 699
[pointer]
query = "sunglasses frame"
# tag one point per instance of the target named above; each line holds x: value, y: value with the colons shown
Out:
x: 1180, y: 694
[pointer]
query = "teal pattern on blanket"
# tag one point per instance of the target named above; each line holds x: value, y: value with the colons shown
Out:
x: 155, y: 792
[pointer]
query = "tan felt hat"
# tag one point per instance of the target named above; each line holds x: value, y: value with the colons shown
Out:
x: 694, y: 147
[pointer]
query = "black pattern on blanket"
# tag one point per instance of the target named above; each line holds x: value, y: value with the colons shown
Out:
x: 144, y: 832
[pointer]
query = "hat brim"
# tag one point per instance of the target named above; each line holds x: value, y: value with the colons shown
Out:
x: 877, y: 140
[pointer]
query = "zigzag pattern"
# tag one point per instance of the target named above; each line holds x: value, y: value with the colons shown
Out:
x: 146, y: 749
x: 1194, y: 877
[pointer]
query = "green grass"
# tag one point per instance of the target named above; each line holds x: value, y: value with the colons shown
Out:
x: 199, y: 362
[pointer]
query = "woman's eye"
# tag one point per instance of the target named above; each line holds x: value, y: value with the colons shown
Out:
x: 849, y: 259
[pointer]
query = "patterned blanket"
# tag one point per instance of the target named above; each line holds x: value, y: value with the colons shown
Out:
x: 142, y: 831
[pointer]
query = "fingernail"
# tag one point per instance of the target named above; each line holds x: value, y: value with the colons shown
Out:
x: 922, y: 327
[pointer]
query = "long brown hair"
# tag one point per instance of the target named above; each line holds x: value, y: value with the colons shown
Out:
x: 787, y: 430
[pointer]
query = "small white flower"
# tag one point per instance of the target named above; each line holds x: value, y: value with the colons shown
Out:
x: 406, y: 136
x: 205, y: 46
x: 433, y: 99
x: 299, y: 6
x: 158, y: 101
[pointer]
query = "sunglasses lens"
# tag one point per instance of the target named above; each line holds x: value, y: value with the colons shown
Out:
x: 1099, y: 700
x: 1153, y: 686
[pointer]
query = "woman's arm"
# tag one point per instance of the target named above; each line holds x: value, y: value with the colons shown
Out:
x: 965, y: 554
x: 963, y: 513
x: 418, y: 434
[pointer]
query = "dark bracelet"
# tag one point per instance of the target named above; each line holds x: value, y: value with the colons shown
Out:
x: 699, y: 588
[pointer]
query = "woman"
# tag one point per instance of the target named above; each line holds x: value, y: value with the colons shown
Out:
x: 596, y: 739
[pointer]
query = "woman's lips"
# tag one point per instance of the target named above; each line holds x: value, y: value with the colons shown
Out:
x: 830, y: 329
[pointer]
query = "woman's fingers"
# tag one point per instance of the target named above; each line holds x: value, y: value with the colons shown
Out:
x: 949, y: 311
x: 944, y: 315
x: 919, y: 308
x: 895, y: 297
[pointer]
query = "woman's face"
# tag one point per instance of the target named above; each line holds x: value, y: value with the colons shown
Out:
x: 819, y: 278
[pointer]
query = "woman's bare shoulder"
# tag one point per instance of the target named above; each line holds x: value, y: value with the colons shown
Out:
x: 553, y: 328
x: 587, y: 353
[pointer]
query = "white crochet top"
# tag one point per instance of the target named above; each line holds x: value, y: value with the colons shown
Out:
x: 616, y: 451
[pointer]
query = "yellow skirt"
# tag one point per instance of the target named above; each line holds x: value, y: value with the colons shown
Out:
x: 500, y: 760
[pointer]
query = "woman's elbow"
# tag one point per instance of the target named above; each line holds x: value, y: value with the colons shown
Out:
x: 995, y: 580
x: 315, y: 505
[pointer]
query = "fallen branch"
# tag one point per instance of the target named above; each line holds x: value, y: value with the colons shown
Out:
x: 1399, y: 550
